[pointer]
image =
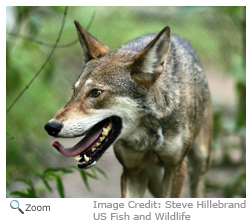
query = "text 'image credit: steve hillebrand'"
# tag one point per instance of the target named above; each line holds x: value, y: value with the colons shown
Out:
x: 169, y: 204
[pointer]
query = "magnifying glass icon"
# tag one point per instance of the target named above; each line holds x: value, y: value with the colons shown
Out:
x: 15, y: 205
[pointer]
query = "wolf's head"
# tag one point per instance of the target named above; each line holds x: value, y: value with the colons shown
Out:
x: 105, y: 105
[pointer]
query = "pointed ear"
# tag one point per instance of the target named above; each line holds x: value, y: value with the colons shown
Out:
x: 150, y: 62
x: 92, y: 48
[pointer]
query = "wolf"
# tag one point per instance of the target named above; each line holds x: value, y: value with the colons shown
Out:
x: 150, y: 99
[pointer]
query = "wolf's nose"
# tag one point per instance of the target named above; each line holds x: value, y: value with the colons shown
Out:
x: 53, y: 128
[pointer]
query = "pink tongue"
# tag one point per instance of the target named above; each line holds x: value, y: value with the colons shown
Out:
x: 84, y: 144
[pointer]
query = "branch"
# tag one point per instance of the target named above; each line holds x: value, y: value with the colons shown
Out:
x: 40, y: 42
x: 42, y: 67
x: 51, y: 45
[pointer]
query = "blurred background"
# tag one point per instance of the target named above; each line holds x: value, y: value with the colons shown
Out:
x: 35, y: 169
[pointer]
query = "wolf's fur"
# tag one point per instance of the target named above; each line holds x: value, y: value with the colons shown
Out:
x: 157, y: 87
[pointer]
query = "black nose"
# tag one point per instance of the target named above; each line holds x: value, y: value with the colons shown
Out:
x: 53, y: 128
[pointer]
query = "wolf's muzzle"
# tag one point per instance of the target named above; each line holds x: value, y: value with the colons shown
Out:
x: 53, y: 128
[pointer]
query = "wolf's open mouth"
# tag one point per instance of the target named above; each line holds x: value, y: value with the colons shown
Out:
x: 97, y: 140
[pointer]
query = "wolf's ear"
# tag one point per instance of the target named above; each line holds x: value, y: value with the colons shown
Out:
x: 92, y: 48
x: 149, y: 63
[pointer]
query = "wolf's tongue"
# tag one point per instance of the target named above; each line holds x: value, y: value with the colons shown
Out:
x: 84, y: 144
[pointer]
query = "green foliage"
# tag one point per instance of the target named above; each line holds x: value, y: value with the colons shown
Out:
x: 54, y: 175
x: 236, y: 188
x: 241, y: 117
x: 30, y: 190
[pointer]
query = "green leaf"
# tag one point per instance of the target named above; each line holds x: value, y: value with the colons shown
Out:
x: 31, y: 190
x: 60, y: 187
x: 45, y: 182
x: 85, y: 179
x: 32, y: 193
x: 93, y: 175
x: 54, y: 174
x: 84, y: 175
x: 20, y: 194
x: 50, y: 176
x: 63, y: 170
x: 100, y: 171
x: 28, y: 182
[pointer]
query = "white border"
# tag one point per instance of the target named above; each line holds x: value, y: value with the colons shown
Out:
x: 81, y: 210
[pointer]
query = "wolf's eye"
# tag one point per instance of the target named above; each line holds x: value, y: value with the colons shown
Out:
x: 96, y: 92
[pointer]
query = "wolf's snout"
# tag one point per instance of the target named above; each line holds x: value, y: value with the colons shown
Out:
x: 53, y: 128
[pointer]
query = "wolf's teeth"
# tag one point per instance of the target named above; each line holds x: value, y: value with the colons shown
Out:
x: 105, y: 132
x: 83, y: 162
x: 78, y: 158
x: 86, y: 158
x: 93, y: 149
x: 107, y: 129
x: 97, y: 144
x: 102, y: 138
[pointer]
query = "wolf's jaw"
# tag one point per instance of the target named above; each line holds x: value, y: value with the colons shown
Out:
x: 97, y: 140
x: 86, y: 156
